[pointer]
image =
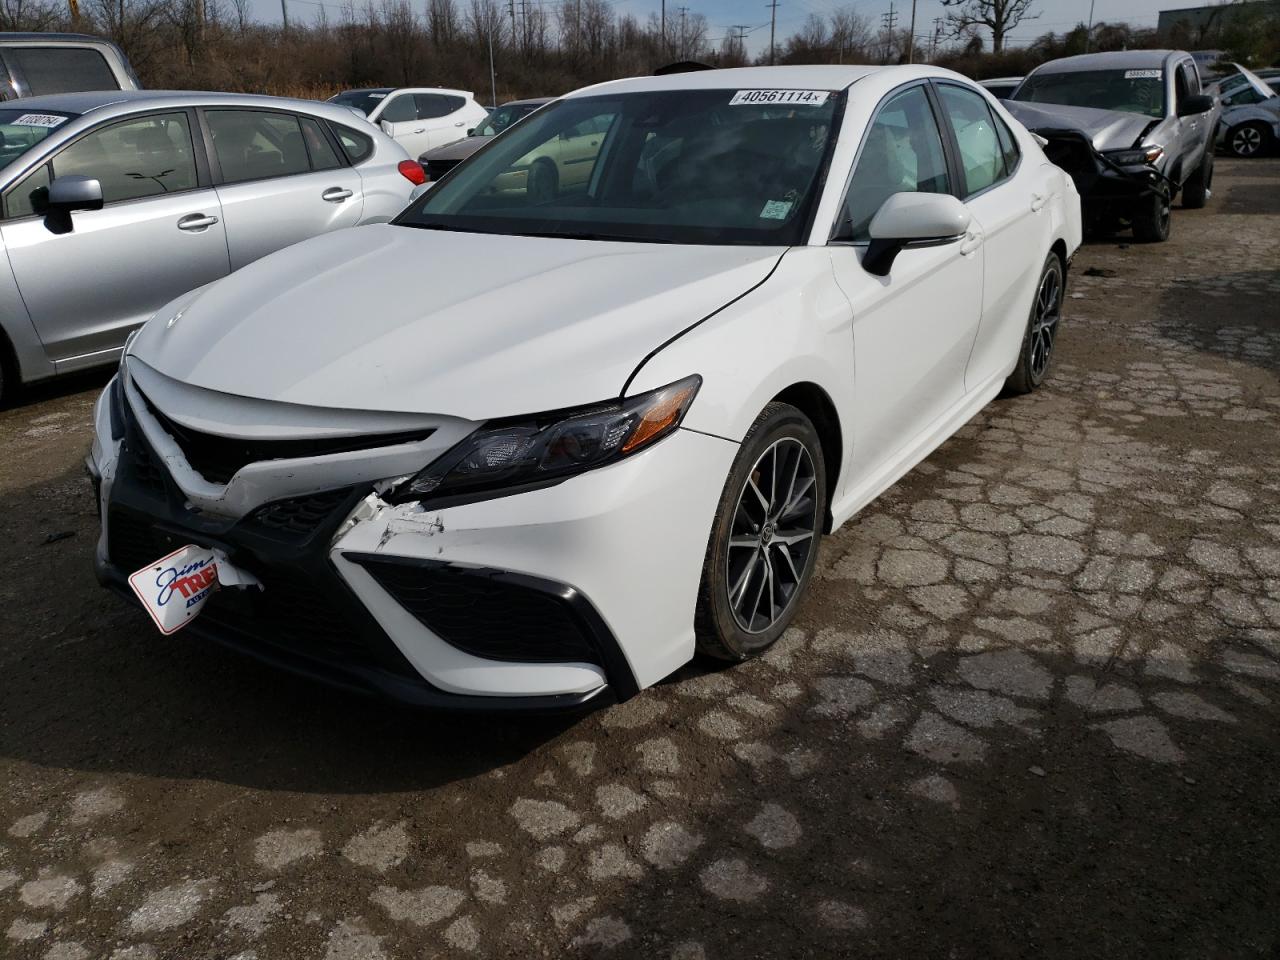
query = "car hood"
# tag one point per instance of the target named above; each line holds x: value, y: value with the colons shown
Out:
x: 458, y: 150
x: 1105, y: 129
x: 470, y: 325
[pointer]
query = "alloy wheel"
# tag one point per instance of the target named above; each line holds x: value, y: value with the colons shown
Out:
x: 773, y: 532
x: 1044, y: 323
x: 1246, y: 141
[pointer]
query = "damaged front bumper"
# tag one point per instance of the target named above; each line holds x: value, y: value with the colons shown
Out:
x: 544, y: 600
x: 1106, y: 187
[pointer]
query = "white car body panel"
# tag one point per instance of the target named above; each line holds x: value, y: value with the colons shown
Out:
x: 336, y: 331
x: 419, y: 136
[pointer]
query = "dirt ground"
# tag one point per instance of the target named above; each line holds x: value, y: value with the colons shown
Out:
x: 1030, y: 709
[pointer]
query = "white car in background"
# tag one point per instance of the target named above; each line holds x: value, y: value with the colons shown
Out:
x: 417, y: 118
x: 529, y: 445
x: 115, y: 202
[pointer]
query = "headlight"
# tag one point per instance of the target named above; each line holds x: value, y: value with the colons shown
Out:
x: 1136, y: 157
x: 530, y: 452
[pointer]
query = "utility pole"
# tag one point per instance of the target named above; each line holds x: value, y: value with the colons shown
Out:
x: 664, y: 27
x: 911, y: 41
x: 284, y: 14
x: 73, y: 7
x: 936, y: 38
x: 773, y: 24
x: 889, y: 21
x: 493, y: 76
x: 1088, y: 34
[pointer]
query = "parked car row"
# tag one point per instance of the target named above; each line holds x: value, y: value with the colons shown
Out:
x: 713, y: 335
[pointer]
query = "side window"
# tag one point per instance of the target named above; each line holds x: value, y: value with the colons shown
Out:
x: 434, y: 105
x: 980, y: 153
x: 323, y: 156
x: 134, y: 158
x: 1193, y: 76
x: 62, y: 69
x: 357, y: 146
x: 1008, y: 145
x: 400, y: 109
x: 30, y: 196
x: 902, y: 153
x: 254, y: 145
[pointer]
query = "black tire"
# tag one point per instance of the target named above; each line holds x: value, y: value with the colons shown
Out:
x: 1043, y: 322
x: 1151, y: 220
x: 729, y: 630
x: 1249, y: 139
x: 544, y: 181
x: 1196, y: 191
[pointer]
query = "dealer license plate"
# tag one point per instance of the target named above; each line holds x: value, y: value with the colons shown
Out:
x: 175, y: 588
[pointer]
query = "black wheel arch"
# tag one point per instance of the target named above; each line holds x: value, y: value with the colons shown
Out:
x: 816, y: 404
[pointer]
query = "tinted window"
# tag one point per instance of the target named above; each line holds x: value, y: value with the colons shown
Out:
x: 980, y: 153
x: 1008, y: 145
x: 134, y: 158
x: 1132, y: 91
x: 357, y: 146
x: 30, y: 195
x: 432, y: 105
x: 323, y: 156
x: 253, y: 145
x: 399, y: 109
x: 902, y: 153
x: 680, y: 166
x: 504, y: 117
x: 62, y: 69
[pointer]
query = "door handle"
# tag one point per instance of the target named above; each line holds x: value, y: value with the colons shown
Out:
x: 460, y: 123
x: 1037, y: 201
x: 196, y: 221
x: 420, y: 130
x: 972, y: 242
x: 335, y: 194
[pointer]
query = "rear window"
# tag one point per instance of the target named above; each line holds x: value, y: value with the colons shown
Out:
x: 366, y: 101
x: 61, y: 69
x: 357, y: 146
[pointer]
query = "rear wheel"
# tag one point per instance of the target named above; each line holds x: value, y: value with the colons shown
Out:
x: 1249, y: 139
x: 1151, y: 220
x: 1196, y: 191
x: 1042, y: 331
x: 764, y: 544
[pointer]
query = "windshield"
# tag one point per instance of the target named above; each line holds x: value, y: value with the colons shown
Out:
x: 680, y: 166
x: 366, y: 101
x: 504, y: 117
x: 1132, y: 91
x: 20, y: 130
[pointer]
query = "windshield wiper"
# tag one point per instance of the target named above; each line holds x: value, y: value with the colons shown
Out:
x: 587, y: 235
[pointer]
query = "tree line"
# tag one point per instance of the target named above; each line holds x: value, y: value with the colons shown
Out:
x: 547, y: 48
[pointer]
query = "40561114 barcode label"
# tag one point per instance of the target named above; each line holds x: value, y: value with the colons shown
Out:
x: 794, y: 98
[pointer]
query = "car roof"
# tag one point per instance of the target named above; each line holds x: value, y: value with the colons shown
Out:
x: 128, y: 101
x: 991, y: 80
x: 537, y: 101
x: 70, y: 37
x: 807, y: 77
x: 1110, y: 60
x: 364, y: 90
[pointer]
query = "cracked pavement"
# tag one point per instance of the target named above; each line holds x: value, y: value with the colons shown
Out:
x: 1030, y: 707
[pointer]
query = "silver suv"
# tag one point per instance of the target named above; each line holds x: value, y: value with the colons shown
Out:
x: 37, y: 64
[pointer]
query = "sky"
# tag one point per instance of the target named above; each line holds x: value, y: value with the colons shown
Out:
x: 1055, y: 15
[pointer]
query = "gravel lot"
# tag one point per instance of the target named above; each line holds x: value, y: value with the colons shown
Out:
x: 1030, y: 708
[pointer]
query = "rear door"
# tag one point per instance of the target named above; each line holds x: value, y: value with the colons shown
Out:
x: 1010, y: 208
x: 280, y: 178
x: 400, y: 120
x: 444, y: 117
x: 159, y: 234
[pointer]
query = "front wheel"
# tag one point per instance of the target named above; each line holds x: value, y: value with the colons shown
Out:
x: 1196, y: 191
x: 1151, y: 219
x: 764, y: 543
x: 1042, y: 331
x: 1248, y: 139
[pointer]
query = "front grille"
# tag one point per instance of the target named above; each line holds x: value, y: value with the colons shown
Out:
x: 218, y: 459
x: 1074, y: 154
x: 438, y: 168
x: 485, y: 613
x: 297, y: 517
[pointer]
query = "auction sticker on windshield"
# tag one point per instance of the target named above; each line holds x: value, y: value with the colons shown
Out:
x: 1142, y: 74
x: 799, y: 98
x: 39, y: 120
x: 175, y: 588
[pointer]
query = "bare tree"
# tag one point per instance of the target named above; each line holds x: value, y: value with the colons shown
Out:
x: 998, y: 16
x: 850, y: 37
x: 442, y: 22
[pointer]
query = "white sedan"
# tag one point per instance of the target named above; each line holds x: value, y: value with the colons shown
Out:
x: 534, y: 445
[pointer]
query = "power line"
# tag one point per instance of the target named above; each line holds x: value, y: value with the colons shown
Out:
x: 773, y: 26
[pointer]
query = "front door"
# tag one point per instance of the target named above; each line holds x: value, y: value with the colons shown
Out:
x: 159, y: 234
x: 912, y: 329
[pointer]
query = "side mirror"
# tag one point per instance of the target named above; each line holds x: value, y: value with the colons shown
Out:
x: 913, y: 220
x: 387, y: 127
x: 471, y: 131
x: 70, y: 193
x: 1196, y: 103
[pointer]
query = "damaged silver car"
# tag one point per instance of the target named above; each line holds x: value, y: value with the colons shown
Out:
x: 1132, y: 128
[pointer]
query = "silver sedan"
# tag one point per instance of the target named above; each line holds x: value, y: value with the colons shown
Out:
x: 116, y: 202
